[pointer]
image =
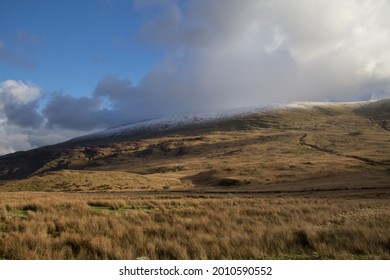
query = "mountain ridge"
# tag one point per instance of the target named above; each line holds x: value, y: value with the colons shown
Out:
x: 270, y: 146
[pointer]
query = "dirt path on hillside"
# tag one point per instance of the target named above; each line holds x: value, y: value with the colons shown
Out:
x: 302, y: 141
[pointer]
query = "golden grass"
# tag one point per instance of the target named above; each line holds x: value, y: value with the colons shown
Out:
x: 93, y: 181
x: 108, y: 226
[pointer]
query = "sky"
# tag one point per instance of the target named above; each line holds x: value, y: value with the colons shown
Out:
x: 68, y: 68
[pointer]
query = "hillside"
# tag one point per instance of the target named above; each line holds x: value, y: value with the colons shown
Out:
x: 251, y: 152
x: 303, y: 181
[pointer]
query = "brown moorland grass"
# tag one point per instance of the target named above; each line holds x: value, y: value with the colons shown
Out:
x: 127, y: 226
x: 93, y: 181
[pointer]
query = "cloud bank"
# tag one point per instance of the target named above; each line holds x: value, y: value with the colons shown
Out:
x: 22, y: 126
x: 219, y: 55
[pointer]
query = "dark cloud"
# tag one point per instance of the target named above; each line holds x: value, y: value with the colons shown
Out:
x: 22, y: 127
x: 23, y: 115
x: 114, y: 88
x: 69, y: 112
x: 225, y: 54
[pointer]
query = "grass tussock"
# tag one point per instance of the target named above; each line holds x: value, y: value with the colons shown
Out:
x: 103, y: 226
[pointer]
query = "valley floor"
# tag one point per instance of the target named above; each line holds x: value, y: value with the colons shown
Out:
x: 194, y: 225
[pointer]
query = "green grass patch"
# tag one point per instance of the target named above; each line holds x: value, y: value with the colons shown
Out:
x: 121, y: 210
x: 17, y: 213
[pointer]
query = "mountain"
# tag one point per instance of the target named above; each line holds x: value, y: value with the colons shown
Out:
x: 311, y: 146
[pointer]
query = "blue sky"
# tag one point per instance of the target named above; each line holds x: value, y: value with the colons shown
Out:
x: 68, y: 68
x: 70, y: 45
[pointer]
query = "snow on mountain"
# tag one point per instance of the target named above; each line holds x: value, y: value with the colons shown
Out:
x: 168, y: 123
x: 305, y: 104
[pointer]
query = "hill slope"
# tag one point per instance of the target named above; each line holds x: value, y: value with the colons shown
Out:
x: 253, y: 151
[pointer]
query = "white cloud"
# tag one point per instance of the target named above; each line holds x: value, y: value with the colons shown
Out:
x: 18, y: 91
x: 237, y: 53
x: 22, y: 127
x: 12, y: 139
x: 14, y: 94
x: 221, y: 54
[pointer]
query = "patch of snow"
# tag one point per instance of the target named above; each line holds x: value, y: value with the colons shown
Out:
x: 163, y: 124
x: 306, y: 104
x: 168, y: 123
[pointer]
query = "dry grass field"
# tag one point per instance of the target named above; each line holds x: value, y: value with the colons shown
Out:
x: 121, y: 226
x: 301, y: 182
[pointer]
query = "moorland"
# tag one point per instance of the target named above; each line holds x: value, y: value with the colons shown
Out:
x: 303, y: 181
